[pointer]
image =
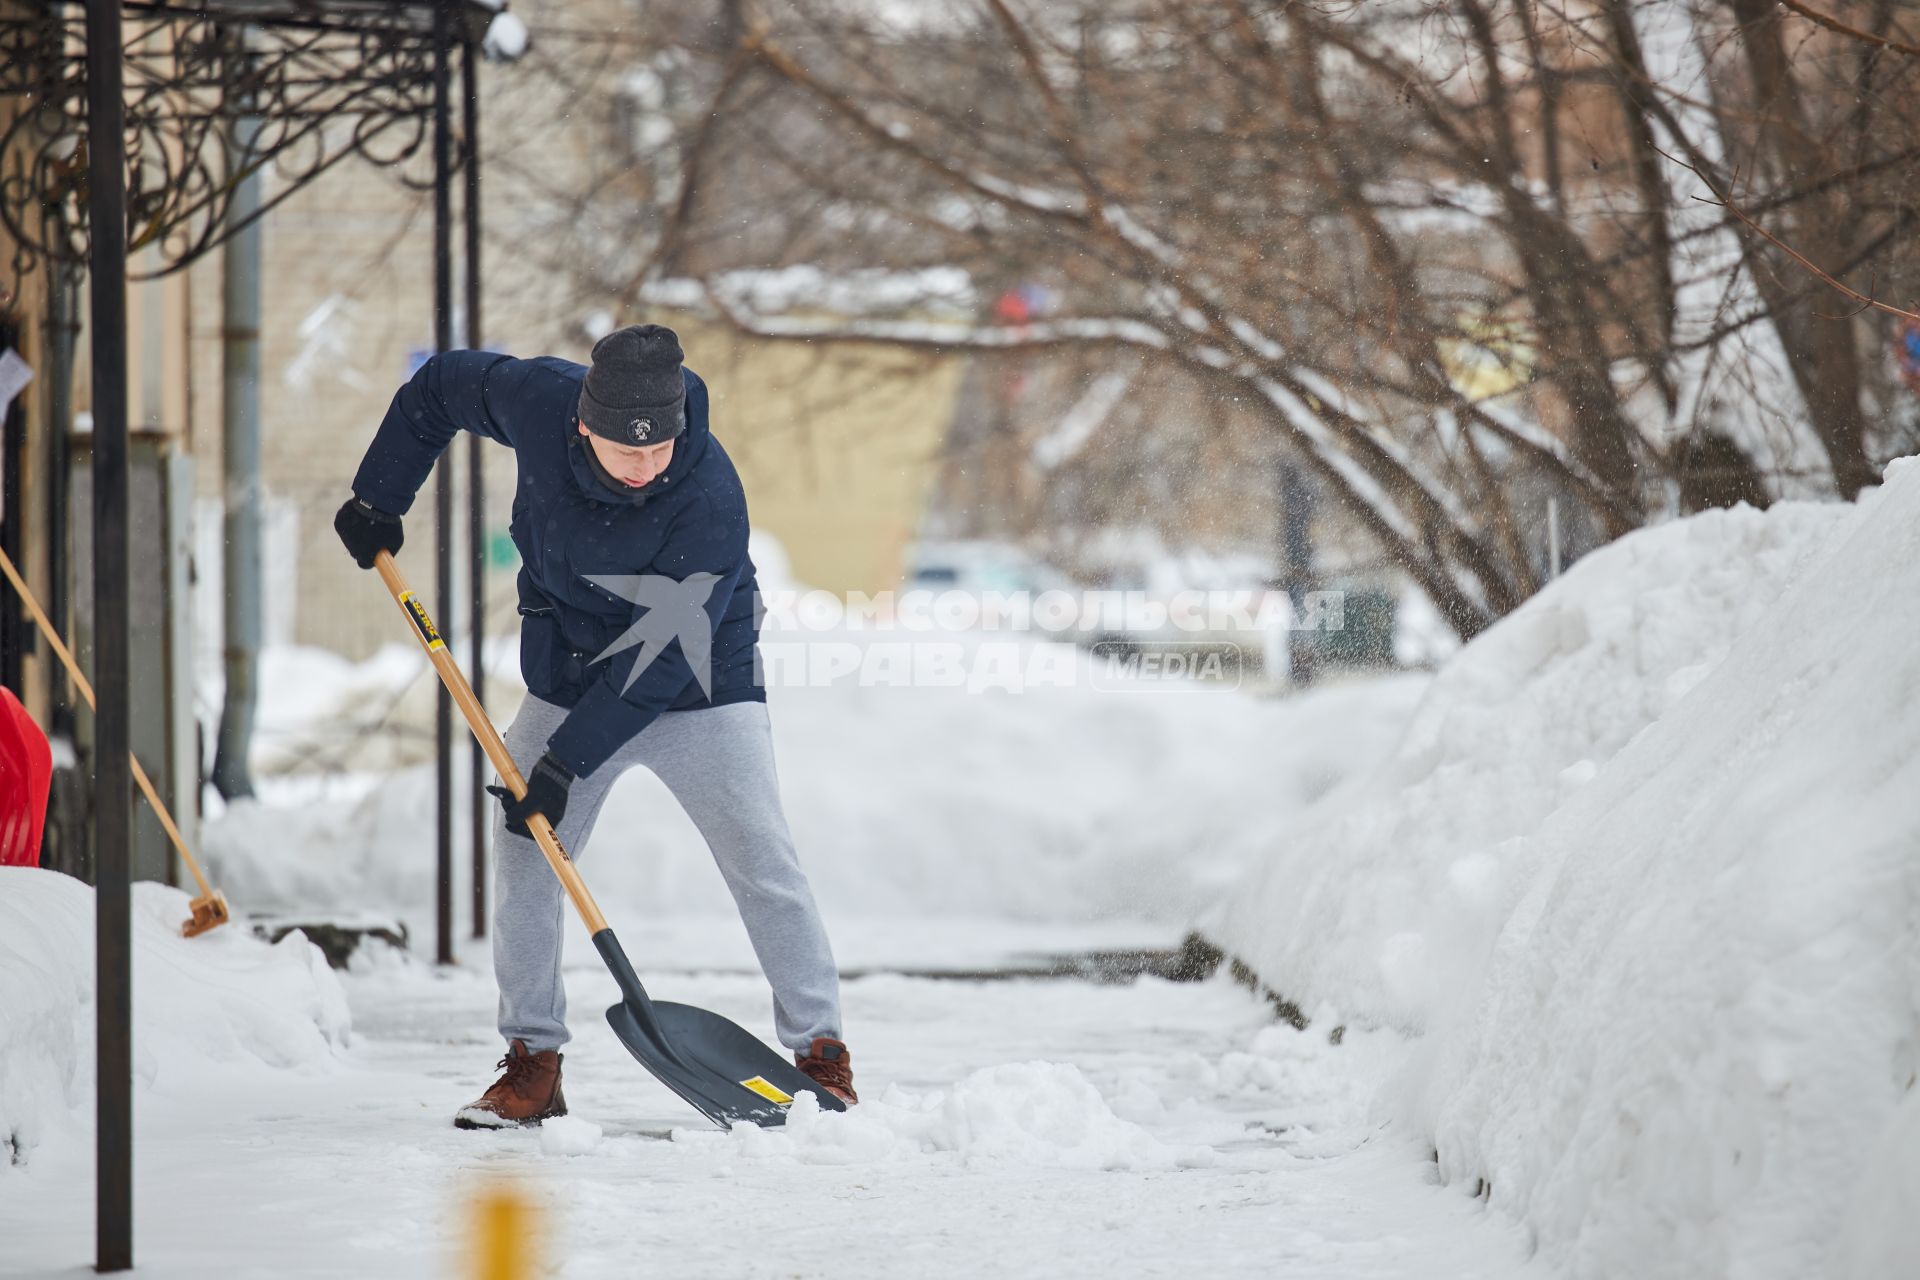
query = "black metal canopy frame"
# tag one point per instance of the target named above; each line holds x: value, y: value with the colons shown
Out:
x: 325, y: 80
x: 322, y: 80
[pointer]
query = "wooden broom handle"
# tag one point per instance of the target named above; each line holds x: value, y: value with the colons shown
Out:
x: 482, y: 726
x: 86, y: 691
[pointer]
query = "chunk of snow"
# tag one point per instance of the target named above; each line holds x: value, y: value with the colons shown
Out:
x: 568, y: 1136
x: 506, y: 37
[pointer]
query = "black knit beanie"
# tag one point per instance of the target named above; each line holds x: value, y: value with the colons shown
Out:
x: 633, y: 393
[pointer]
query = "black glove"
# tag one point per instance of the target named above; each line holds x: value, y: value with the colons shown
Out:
x: 546, y: 793
x: 366, y: 531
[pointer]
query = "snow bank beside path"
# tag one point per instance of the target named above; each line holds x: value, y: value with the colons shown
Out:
x: 1704, y: 1010
x: 1381, y: 903
x: 1646, y: 868
x: 223, y: 997
x: 1878, y: 1237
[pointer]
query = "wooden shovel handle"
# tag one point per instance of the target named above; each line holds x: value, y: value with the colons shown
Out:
x: 145, y: 783
x: 477, y: 720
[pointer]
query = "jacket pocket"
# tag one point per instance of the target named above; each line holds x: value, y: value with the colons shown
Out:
x: 540, y: 651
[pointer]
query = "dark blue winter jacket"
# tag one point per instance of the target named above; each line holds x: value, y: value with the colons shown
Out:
x: 571, y: 523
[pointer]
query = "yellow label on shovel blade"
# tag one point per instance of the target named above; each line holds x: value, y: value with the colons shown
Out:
x: 772, y: 1094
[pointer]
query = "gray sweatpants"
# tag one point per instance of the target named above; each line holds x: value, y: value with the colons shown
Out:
x: 718, y: 762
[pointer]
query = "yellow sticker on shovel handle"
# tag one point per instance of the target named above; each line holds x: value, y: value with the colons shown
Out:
x: 429, y: 634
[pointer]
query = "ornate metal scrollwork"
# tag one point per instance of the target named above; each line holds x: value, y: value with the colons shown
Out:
x: 214, y: 93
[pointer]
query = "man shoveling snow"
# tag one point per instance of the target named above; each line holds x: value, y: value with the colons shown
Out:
x: 637, y: 644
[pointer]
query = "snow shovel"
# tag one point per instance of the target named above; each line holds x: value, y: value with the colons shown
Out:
x: 210, y: 908
x: 718, y: 1066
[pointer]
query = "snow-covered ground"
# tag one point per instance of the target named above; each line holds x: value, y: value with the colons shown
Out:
x: 1024, y: 1125
x: 1607, y: 933
x: 1008, y: 1128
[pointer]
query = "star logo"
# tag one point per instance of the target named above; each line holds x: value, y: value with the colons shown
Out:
x: 640, y: 430
x: 668, y: 610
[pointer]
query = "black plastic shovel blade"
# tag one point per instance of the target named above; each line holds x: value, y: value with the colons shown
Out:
x: 718, y: 1066
x: 723, y: 1070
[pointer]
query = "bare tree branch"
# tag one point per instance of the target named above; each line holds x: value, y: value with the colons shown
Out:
x: 1721, y: 200
x: 1834, y: 24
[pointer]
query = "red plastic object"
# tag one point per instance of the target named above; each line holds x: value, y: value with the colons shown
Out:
x: 26, y: 771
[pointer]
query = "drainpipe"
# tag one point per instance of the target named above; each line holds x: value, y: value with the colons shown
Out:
x: 240, y: 476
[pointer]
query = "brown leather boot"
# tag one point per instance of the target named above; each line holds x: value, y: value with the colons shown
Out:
x: 830, y: 1066
x: 526, y: 1094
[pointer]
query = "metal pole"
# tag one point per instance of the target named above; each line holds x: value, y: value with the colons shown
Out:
x: 63, y: 332
x: 240, y: 478
x: 443, y: 471
x: 112, y: 554
x: 476, y: 491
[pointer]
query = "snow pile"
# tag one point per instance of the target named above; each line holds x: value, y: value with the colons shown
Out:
x: 1380, y: 901
x: 1645, y: 870
x: 1025, y: 1114
x: 1704, y: 1011
x: 342, y: 845
x: 1878, y: 1237
x: 1049, y: 803
x: 224, y: 997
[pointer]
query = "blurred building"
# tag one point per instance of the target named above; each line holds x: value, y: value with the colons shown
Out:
x: 837, y: 454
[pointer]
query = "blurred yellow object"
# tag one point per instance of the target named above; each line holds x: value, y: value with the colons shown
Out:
x: 1487, y: 355
x: 504, y: 1228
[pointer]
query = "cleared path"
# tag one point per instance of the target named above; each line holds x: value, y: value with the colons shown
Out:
x: 1020, y: 1127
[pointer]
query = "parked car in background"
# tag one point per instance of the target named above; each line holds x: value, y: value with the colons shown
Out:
x: 1181, y: 598
x: 975, y: 564
x: 995, y: 572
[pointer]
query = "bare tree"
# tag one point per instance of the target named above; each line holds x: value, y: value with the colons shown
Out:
x: 1324, y: 217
